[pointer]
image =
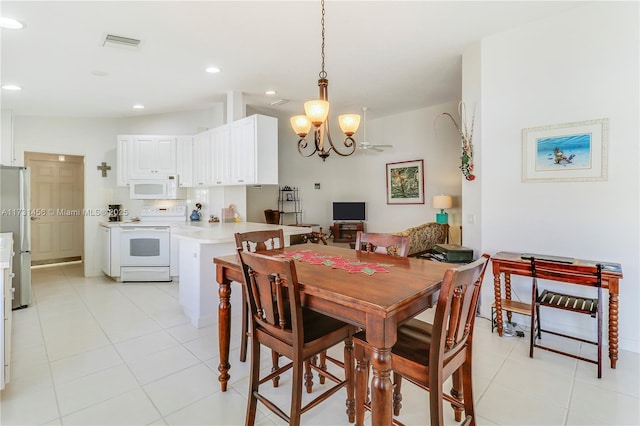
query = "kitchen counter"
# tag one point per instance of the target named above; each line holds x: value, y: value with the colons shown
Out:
x: 217, y: 233
x: 199, y: 243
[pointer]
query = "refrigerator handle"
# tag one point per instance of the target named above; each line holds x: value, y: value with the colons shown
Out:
x: 25, y: 202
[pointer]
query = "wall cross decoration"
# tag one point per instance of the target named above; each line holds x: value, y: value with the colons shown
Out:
x: 103, y: 167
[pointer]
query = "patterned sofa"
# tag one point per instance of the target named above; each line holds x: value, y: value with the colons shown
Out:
x: 424, y: 237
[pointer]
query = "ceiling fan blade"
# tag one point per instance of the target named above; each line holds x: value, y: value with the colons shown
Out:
x: 373, y: 148
x: 382, y: 146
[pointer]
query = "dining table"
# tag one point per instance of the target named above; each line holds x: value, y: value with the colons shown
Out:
x: 372, y: 291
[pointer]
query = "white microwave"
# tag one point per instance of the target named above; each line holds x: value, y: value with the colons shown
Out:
x: 157, y: 189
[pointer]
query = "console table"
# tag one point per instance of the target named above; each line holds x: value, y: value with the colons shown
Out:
x: 507, y: 263
x: 345, y: 232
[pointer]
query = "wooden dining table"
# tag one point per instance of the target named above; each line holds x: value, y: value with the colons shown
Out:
x: 377, y: 298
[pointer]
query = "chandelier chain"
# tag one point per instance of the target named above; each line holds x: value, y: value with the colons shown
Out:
x: 323, y: 73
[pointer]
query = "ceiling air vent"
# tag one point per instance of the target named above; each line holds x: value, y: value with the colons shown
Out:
x: 279, y: 102
x: 118, y: 41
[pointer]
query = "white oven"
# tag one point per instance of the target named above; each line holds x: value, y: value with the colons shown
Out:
x: 145, y: 251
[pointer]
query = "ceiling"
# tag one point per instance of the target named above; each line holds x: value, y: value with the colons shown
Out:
x: 390, y: 56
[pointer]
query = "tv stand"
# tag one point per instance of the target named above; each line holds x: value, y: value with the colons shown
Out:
x: 345, y: 232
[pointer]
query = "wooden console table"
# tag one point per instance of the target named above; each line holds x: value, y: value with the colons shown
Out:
x: 508, y: 263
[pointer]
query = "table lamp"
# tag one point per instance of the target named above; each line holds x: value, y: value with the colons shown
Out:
x: 442, y: 202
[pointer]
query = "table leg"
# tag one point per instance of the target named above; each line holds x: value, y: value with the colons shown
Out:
x: 498, y: 300
x: 507, y: 292
x: 381, y: 387
x: 224, y: 332
x: 613, y: 328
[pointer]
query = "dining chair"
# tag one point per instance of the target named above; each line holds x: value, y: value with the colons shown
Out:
x: 586, y: 275
x: 256, y: 241
x: 282, y: 323
x: 393, y: 245
x: 427, y: 354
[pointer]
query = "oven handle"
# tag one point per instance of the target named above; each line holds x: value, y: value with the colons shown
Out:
x: 145, y: 229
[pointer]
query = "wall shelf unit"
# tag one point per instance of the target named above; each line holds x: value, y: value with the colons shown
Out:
x: 289, y: 206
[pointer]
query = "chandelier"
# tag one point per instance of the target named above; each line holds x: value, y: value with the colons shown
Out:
x: 317, y: 114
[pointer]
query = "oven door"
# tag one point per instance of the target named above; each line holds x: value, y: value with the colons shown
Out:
x: 145, y: 246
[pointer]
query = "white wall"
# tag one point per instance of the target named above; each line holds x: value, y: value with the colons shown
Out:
x: 6, y: 132
x: 361, y: 177
x: 580, y: 65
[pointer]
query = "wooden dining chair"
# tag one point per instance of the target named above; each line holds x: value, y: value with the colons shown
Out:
x: 427, y: 354
x: 586, y: 275
x: 393, y: 245
x: 282, y: 323
x: 256, y: 241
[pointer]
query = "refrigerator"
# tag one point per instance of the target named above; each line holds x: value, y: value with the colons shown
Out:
x: 15, y: 217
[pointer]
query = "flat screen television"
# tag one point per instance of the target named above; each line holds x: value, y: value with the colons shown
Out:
x: 348, y: 211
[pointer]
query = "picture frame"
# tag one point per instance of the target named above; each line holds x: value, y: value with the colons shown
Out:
x: 289, y: 196
x: 567, y: 152
x: 405, y: 182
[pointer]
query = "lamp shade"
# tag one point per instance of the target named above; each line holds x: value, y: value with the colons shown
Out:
x: 301, y: 125
x: 442, y: 202
x: 349, y: 123
x: 317, y: 111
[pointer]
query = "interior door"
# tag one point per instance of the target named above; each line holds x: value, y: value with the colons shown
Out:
x: 57, y: 232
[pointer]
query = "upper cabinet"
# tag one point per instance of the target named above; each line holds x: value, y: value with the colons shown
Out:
x: 184, y: 161
x: 244, y: 152
x: 153, y: 156
x: 253, y: 149
x: 123, y: 168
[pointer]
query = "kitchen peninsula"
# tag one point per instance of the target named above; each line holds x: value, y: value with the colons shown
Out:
x: 198, y: 245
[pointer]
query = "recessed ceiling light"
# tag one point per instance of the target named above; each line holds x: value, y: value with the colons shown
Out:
x: 270, y: 92
x: 99, y: 73
x: 11, y: 87
x: 138, y: 106
x: 212, y: 70
x: 10, y: 23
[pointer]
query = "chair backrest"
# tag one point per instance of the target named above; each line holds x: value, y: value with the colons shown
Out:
x: 394, y: 245
x: 272, y: 216
x: 589, y: 275
x: 260, y: 240
x: 456, y: 311
x: 267, y: 279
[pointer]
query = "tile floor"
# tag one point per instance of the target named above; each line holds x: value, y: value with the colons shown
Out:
x: 91, y: 351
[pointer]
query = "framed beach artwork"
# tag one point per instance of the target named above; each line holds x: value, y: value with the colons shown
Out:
x: 405, y: 182
x: 568, y: 152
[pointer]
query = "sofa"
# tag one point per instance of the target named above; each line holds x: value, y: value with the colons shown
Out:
x: 423, y: 238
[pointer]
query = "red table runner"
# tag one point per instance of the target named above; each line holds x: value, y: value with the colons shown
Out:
x: 338, y: 262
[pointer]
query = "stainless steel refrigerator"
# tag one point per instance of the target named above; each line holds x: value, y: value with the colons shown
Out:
x: 15, y: 217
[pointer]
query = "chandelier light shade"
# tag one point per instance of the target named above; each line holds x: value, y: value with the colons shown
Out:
x: 317, y: 114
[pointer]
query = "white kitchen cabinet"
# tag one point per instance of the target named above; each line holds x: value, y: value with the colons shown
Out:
x: 184, y: 161
x: 253, y: 148
x: 123, y: 166
x: 6, y: 291
x: 153, y: 156
x: 202, y: 174
x: 110, y: 244
x: 220, y: 156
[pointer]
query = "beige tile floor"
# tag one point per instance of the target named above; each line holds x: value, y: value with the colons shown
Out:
x: 91, y: 351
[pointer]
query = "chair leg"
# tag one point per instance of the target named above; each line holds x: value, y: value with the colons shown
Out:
x: 323, y: 365
x: 349, y: 372
x: 599, y: 315
x: 296, y: 391
x: 435, y: 399
x: 254, y: 380
x: 397, y: 394
x: 457, y: 389
x: 467, y: 391
x: 275, y: 358
x: 245, y: 328
x: 362, y: 370
x: 308, y: 376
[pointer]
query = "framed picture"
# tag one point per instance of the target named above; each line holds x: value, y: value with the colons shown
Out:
x: 569, y: 152
x: 289, y: 196
x: 405, y: 182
